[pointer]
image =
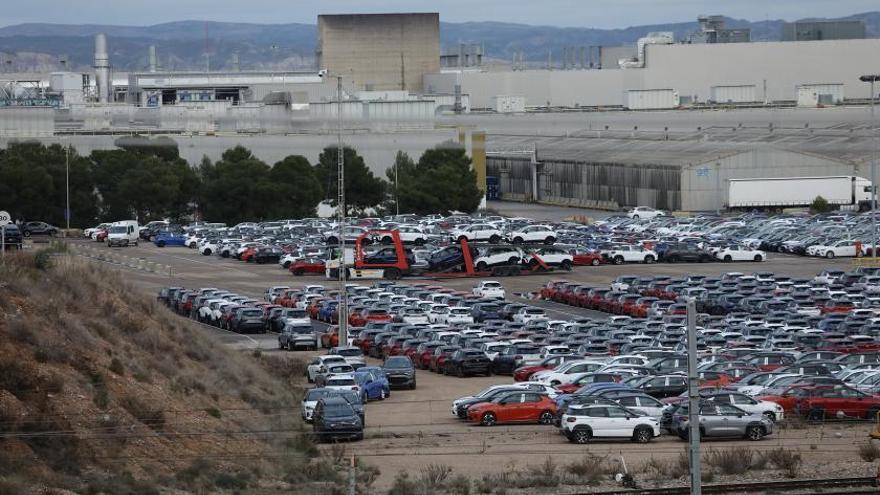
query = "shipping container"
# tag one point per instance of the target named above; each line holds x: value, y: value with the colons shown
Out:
x: 811, y: 95
x: 650, y: 99
x: 732, y: 94
x: 783, y: 192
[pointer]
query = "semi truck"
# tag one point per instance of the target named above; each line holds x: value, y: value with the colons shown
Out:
x: 784, y: 192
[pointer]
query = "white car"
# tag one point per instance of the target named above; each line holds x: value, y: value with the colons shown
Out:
x: 642, y: 403
x: 351, y: 234
x: 630, y: 254
x: 342, y: 382
x: 495, y: 256
x: 582, y: 423
x: 288, y: 259
x: 458, y: 316
x: 766, y: 408
x: 846, y: 247
x: 408, y: 234
x: 320, y: 363
x: 191, y: 241
x: 414, y: 316
x: 437, y: 312
x: 645, y: 212
x: 489, y: 288
x: 352, y: 355
x: 478, y: 232
x: 206, y: 310
x: 567, y: 372
x: 550, y: 256
x: 492, y: 349
x: 533, y: 233
x: 529, y: 313
x: 738, y: 253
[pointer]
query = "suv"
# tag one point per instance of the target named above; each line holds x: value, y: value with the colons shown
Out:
x: 685, y: 252
x: 39, y: 228
x: 11, y: 236
x: 400, y: 372
x: 722, y: 420
x: 581, y: 423
x: 295, y: 335
x: 335, y: 418
x: 468, y: 362
x: 448, y: 258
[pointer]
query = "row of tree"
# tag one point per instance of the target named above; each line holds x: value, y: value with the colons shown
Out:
x: 147, y: 180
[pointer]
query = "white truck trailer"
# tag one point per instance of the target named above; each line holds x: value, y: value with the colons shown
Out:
x: 786, y: 192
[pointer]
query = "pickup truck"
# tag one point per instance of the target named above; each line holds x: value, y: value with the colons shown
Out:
x: 489, y: 288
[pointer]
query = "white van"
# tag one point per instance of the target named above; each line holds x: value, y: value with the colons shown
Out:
x: 124, y: 233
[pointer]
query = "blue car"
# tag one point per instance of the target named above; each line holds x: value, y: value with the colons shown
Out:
x: 373, y: 383
x: 163, y: 239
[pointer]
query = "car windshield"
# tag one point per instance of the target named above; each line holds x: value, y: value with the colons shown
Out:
x: 338, y: 410
x: 117, y: 230
x: 340, y: 381
x: 398, y: 363
x: 349, y: 352
x: 315, y: 395
x: 252, y: 313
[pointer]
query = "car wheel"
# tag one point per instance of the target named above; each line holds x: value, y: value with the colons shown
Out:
x: 517, y: 240
x: 618, y: 260
x: 872, y: 413
x: 298, y: 272
x: 460, y: 372
x: 728, y: 258
x: 649, y: 259
x: 754, y: 433
x: 387, y: 240
x: 636, y: 217
x: 643, y: 435
x: 550, y: 240
x: 494, y: 239
x: 546, y: 418
x: 758, y: 258
x: 161, y: 243
x: 281, y: 346
x: 829, y: 254
x: 419, y: 242
x: 770, y: 415
x: 554, y: 383
x: 816, y: 414
x: 482, y: 266
x: 595, y: 262
x: 462, y: 238
x: 27, y: 234
x: 412, y: 386
x: 488, y: 419
x: 566, y: 265
x: 581, y: 436
x: 332, y: 240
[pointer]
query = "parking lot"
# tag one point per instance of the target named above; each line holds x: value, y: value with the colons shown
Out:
x: 414, y: 428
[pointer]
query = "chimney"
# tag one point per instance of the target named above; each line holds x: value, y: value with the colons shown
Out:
x: 152, y: 58
x: 102, y: 69
x: 236, y: 62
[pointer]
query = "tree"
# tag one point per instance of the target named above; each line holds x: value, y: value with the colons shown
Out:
x: 296, y: 189
x: 362, y: 188
x: 236, y: 188
x: 820, y: 205
x: 404, y: 167
x: 33, y: 184
x: 442, y: 181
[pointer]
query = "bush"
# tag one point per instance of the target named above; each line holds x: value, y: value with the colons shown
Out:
x: 459, y: 485
x: 117, y: 367
x: 146, y: 414
x: 213, y: 412
x: 543, y: 474
x: 433, y: 476
x: 869, y: 452
x: 590, y: 468
x: 403, y: 485
x: 736, y: 460
x: 788, y: 461
x: 820, y: 205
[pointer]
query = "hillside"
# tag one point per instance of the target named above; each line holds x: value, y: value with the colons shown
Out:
x: 104, y: 391
x: 182, y: 45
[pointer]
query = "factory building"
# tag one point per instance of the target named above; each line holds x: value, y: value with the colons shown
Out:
x: 775, y: 69
x: 380, y: 51
x: 819, y: 30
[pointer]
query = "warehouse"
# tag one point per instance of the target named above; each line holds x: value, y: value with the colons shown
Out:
x: 679, y: 173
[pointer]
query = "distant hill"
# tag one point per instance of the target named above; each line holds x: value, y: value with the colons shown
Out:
x: 182, y: 45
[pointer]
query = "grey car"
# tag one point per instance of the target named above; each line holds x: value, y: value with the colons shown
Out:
x: 330, y: 370
x: 298, y: 335
x: 722, y: 420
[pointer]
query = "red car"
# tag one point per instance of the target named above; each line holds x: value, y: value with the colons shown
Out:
x: 514, y: 407
x: 836, y: 401
x: 309, y: 265
x: 523, y: 373
x: 438, y: 359
x: 423, y: 356
x: 582, y: 259
x: 785, y: 396
x: 248, y: 254
x: 370, y: 314
x: 715, y: 379
x: 549, y: 290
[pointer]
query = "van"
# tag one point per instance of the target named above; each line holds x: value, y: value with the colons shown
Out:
x: 124, y: 233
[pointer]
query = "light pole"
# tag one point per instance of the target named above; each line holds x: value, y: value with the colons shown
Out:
x: 67, y: 184
x: 872, y: 79
x: 340, y: 213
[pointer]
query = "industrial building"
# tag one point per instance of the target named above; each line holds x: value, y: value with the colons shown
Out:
x: 380, y: 51
x: 823, y: 30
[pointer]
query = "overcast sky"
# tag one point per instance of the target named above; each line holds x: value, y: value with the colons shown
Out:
x: 580, y: 13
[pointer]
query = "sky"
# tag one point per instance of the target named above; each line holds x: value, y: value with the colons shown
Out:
x: 603, y: 14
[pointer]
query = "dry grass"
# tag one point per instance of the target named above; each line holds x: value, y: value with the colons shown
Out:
x: 82, y: 351
x: 869, y: 451
x: 789, y: 461
x: 736, y: 460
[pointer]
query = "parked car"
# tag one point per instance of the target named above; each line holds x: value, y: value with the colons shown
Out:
x: 11, y: 236
x: 722, y: 420
x: 162, y: 239
x: 465, y: 362
x: 582, y: 423
x: 39, y: 228
x: 533, y: 233
x: 514, y: 407
x: 307, y: 265
x: 296, y: 336
x: 489, y: 289
x: 400, y: 372
x: 335, y: 418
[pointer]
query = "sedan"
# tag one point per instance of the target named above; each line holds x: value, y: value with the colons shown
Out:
x: 514, y: 407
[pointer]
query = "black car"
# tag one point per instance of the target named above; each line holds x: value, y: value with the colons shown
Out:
x: 511, y: 358
x: 11, y: 236
x: 662, y: 386
x: 685, y: 252
x: 334, y: 417
x: 267, y: 255
x: 388, y: 256
x: 400, y: 372
x: 39, y: 228
x: 449, y: 258
x: 468, y: 362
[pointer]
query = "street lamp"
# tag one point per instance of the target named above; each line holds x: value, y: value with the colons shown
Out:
x: 340, y: 212
x: 872, y: 78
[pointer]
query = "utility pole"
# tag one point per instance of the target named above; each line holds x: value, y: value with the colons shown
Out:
x: 67, y: 184
x: 718, y: 187
x: 872, y: 79
x: 340, y: 204
x: 693, y: 399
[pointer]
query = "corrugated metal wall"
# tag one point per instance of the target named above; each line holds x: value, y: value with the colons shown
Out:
x: 591, y: 184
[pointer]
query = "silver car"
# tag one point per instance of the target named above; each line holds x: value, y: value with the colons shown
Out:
x: 722, y: 420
